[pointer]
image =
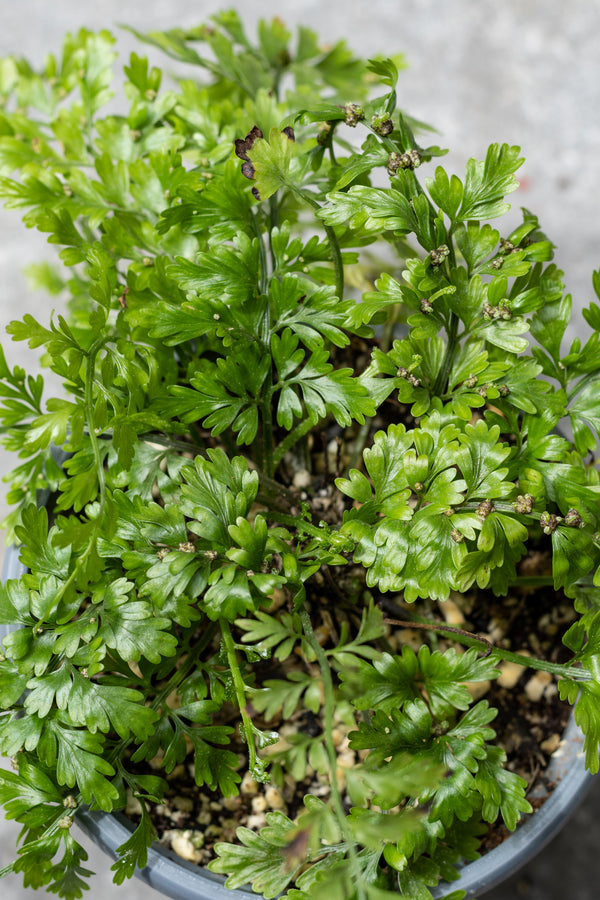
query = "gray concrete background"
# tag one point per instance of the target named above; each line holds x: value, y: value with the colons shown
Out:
x: 480, y: 71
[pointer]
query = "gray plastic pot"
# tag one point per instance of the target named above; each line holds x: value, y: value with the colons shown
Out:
x: 180, y: 880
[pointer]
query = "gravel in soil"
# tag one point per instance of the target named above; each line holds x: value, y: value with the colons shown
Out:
x: 531, y: 718
x: 530, y: 722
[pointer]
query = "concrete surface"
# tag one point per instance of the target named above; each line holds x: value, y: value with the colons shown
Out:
x: 481, y: 71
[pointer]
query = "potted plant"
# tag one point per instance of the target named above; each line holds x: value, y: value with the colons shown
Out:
x: 304, y: 477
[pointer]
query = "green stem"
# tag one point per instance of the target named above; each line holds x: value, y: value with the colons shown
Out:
x: 90, y: 370
x: 255, y: 765
x: 583, y: 382
x: 264, y: 272
x: 90, y: 364
x: 472, y: 640
x: 292, y: 437
x: 273, y: 493
x: 383, y: 139
x: 359, y: 443
x: 186, y: 667
x: 442, y: 379
x: 450, y: 244
x: 328, y: 713
x: 267, y: 417
x: 173, y: 683
x: 273, y: 223
x: 295, y: 522
x: 266, y: 404
x: 388, y: 329
x: 530, y: 662
x: 499, y: 506
x: 338, y: 264
x: 336, y: 253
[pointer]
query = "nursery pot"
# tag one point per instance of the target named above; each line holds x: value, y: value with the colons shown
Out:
x: 181, y: 880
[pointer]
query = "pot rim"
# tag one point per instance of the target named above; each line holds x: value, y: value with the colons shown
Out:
x: 181, y: 880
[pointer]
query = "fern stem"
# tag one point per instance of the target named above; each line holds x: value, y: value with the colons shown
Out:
x: 580, y: 385
x: 336, y: 253
x: 187, y: 666
x: 387, y: 333
x: 273, y: 223
x: 90, y: 364
x: 328, y: 711
x: 292, y: 437
x: 295, y: 522
x: 273, y: 493
x: 172, y: 684
x: 472, y: 640
x: 90, y: 367
x: 264, y: 270
x: 441, y: 381
x: 338, y: 265
x: 359, y: 443
x: 255, y: 765
x: 269, y: 464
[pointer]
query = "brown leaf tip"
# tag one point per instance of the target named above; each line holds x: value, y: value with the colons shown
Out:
x: 242, y: 146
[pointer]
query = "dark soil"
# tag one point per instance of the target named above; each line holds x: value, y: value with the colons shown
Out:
x: 530, y: 721
x: 531, y: 718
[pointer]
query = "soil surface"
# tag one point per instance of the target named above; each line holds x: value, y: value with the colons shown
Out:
x: 531, y: 718
x: 530, y: 722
